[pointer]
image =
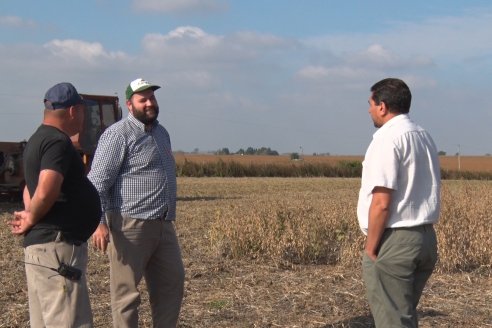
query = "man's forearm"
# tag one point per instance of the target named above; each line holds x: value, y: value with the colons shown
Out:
x: 379, y: 212
x: 47, y: 192
x: 26, y: 197
x: 377, y: 224
x: 39, y: 206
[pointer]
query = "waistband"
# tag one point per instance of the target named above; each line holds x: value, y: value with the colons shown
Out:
x: 63, y: 237
x: 162, y: 217
x: 423, y: 227
x: 128, y: 216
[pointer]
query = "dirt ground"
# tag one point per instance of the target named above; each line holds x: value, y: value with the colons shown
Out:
x: 222, y: 292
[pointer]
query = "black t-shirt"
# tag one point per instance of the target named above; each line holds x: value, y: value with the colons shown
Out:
x: 77, y: 211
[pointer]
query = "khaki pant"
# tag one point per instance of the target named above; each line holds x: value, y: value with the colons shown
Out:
x: 55, y: 301
x: 395, y: 281
x: 149, y: 249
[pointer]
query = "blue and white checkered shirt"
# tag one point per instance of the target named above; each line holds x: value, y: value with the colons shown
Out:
x: 134, y: 171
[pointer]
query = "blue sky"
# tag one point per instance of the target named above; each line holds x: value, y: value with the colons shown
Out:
x: 288, y: 75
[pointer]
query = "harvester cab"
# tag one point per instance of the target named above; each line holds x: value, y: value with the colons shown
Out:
x: 11, y: 169
x: 101, y: 112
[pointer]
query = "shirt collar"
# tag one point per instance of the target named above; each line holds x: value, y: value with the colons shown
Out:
x: 139, y: 124
x: 386, y: 126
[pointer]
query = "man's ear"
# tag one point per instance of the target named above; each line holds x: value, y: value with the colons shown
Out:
x: 384, y: 109
x: 129, y: 106
x: 71, y: 111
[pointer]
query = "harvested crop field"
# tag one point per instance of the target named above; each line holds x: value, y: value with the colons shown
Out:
x: 284, y: 252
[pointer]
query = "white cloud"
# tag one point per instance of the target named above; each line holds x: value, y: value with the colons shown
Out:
x: 181, y: 43
x: 336, y: 73
x: 449, y: 36
x: 351, y: 69
x: 416, y: 43
x: 181, y: 36
x: 380, y: 57
x: 76, y: 49
x: 375, y: 55
x: 314, y: 72
x: 180, y: 6
x: 189, y: 79
x: 419, y: 82
x: 193, y: 46
x: 17, y: 22
x: 358, y: 65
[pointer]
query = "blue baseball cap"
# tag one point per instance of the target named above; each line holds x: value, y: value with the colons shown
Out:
x: 62, y: 95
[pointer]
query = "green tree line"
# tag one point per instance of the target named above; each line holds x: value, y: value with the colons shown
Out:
x: 249, y: 151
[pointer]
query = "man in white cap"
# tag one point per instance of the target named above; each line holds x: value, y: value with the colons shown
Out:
x: 134, y: 172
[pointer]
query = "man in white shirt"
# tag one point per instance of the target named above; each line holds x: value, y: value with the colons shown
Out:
x: 399, y: 201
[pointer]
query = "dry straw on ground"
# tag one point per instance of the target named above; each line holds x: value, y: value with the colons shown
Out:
x: 270, y: 252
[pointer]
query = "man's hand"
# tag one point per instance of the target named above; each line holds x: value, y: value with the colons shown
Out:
x: 100, y: 237
x: 372, y: 255
x: 22, y: 222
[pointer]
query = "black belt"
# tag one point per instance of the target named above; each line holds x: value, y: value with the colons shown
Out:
x: 70, y: 240
x: 163, y: 216
x: 423, y: 227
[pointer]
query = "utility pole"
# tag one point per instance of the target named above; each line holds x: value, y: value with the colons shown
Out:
x: 459, y: 158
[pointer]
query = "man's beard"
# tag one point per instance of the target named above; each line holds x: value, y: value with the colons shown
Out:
x: 144, y: 118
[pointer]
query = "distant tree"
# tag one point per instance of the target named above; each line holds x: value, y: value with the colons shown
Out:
x: 258, y: 151
x: 266, y: 151
x: 223, y: 151
x: 262, y: 151
x: 196, y: 151
x: 441, y: 153
x: 250, y: 151
x: 294, y: 156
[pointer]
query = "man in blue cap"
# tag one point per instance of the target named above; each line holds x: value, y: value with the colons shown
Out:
x: 135, y: 174
x: 61, y: 211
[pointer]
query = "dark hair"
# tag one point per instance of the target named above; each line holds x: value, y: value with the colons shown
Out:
x: 394, y: 93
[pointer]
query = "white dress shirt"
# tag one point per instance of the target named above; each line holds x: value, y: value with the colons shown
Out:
x: 403, y: 157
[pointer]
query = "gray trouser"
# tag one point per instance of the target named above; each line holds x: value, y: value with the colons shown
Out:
x: 395, y: 281
x: 149, y: 249
x: 55, y: 301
